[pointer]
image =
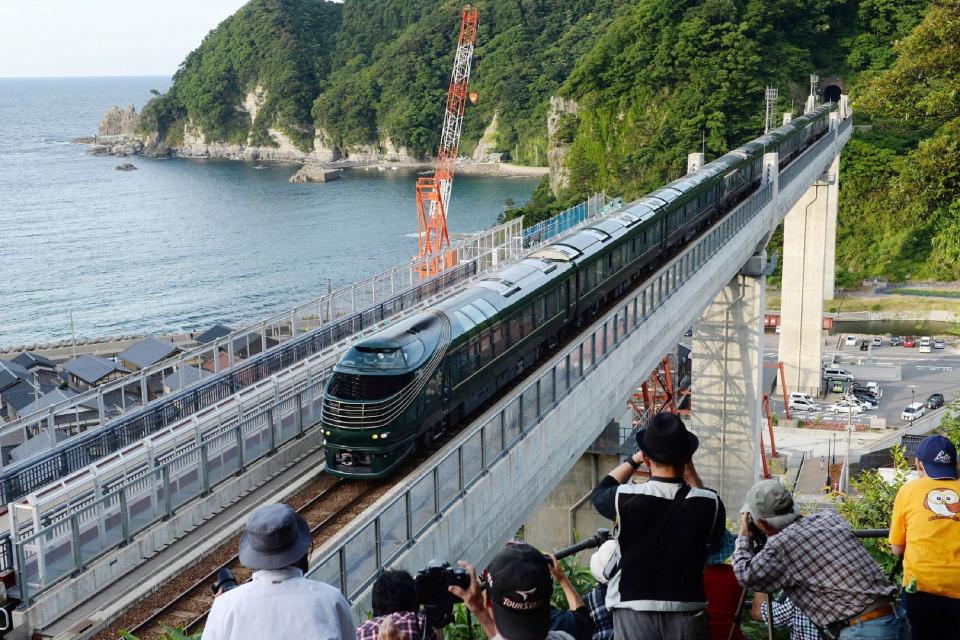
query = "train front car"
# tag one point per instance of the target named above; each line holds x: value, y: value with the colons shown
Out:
x: 379, y: 395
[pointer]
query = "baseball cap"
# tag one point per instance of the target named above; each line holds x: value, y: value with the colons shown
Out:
x: 771, y: 501
x: 939, y: 457
x: 519, y: 585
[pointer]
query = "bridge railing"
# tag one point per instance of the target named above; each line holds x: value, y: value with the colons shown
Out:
x: 564, y: 221
x: 500, y: 243
x: 381, y: 537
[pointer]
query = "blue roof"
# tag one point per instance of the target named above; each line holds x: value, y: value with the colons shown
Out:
x: 11, y: 373
x: 29, y: 360
x: 147, y: 352
x: 55, y: 396
x: 214, y: 332
x: 91, y: 369
x: 22, y: 394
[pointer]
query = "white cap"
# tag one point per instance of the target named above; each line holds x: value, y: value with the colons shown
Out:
x: 600, y: 559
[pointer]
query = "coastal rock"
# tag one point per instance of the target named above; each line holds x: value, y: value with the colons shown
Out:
x: 119, y: 122
x: 561, y: 122
x: 316, y: 173
x: 488, y: 142
x: 126, y: 166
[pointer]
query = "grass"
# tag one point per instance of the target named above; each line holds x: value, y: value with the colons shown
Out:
x: 880, y: 303
x: 929, y: 293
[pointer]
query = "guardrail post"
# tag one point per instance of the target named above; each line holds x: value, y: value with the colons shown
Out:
x: 75, y: 536
x: 342, y: 562
x: 436, y: 492
x: 204, y: 468
x: 377, y: 542
x: 460, y: 470
x: 22, y: 581
x: 124, y: 516
x: 298, y: 420
x: 240, y: 466
x: 167, y: 498
x: 273, y: 438
x: 408, y: 515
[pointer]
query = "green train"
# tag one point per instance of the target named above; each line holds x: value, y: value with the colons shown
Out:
x: 402, y: 387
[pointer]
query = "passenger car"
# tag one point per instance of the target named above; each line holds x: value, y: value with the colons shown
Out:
x: 909, y: 342
x: 380, y: 403
x: 913, y: 411
x: 837, y: 386
x: 877, y: 341
x: 851, y: 341
x: 864, y: 345
x: 846, y: 406
x: 867, y: 401
x: 895, y: 341
x: 939, y: 343
x: 799, y: 404
x: 833, y: 373
x: 935, y: 401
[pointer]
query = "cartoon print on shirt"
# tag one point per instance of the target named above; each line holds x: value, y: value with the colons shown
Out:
x: 945, y: 504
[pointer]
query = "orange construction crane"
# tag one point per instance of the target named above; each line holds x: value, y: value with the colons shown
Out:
x: 433, y: 192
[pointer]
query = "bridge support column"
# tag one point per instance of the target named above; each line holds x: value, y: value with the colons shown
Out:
x: 567, y: 513
x: 809, y: 237
x: 726, y: 384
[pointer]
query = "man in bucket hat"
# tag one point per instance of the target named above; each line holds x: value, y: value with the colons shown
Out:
x: 665, y: 528
x: 278, y: 602
x: 925, y: 530
x: 818, y: 563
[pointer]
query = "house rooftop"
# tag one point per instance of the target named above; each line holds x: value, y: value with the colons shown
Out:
x: 11, y: 372
x: 53, y: 397
x: 183, y: 377
x: 91, y: 369
x: 214, y: 332
x: 147, y: 352
x: 29, y: 360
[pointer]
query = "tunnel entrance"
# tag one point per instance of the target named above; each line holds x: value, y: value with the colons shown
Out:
x: 832, y: 93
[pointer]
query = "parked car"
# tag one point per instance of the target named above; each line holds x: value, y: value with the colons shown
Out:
x: 837, y: 386
x: 877, y: 341
x: 895, y: 341
x: 925, y: 340
x: 909, y: 342
x: 935, y: 401
x: 796, y: 395
x: 845, y: 406
x: 939, y: 343
x: 864, y: 345
x: 862, y: 393
x: 865, y: 401
x: 800, y: 404
x: 851, y: 341
x: 874, y: 387
x: 833, y: 373
x: 925, y: 348
x: 913, y: 411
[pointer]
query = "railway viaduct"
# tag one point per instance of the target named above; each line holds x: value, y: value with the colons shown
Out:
x: 503, y: 471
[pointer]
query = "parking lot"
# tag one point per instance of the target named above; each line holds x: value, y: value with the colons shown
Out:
x: 922, y: 374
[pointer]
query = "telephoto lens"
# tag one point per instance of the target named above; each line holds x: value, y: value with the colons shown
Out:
x: 225, y: 581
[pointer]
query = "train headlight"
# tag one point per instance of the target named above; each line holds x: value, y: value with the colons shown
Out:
x: 383, y: 436
x: 327, y: 432
x: 374, y: 436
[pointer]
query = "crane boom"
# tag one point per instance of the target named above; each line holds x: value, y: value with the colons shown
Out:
x: 433, y: 192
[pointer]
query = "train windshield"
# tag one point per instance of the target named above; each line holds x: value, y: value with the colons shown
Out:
x: 384, y: 358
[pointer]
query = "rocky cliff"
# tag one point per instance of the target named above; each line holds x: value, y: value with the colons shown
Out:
x: 119, y: 122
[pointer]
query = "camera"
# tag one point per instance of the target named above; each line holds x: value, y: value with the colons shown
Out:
x: 225, y: 581
x: 432, y: 584
x: 758, y: 537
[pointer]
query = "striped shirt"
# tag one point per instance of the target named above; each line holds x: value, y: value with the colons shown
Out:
x: 819, y: 564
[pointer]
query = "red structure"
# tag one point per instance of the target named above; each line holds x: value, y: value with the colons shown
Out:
x: 433, y: 192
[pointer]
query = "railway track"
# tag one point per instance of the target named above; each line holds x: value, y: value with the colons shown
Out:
x: 332, y: 506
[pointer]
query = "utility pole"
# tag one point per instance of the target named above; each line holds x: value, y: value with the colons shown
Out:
x: 73, y: 337
x: 814, y: 84
x: 770, y: 97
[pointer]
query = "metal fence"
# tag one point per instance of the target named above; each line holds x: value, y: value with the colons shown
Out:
x: 500, y: 243
x: 564, y: 221
x: 67, y: 546
x: 383, y: 536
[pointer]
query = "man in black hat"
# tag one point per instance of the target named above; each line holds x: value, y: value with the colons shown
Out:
x: 278, y: 602
x: 666, y: 527
x: 517, y: 601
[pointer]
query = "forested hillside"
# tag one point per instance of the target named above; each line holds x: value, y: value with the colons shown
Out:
x: 642, y: 82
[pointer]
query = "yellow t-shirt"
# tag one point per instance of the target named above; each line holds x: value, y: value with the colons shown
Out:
x: 926, y: 518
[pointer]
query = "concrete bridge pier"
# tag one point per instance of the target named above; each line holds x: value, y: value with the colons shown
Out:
x: 726, y: 385
x: 808, y: 275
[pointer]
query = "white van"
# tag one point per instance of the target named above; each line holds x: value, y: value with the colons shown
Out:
x: 799, y: 396
x: 832, y: 373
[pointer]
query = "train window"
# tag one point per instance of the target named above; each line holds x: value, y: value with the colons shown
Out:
x: 499, y: 343
x: 464, y: 321
x: 553, y: 299
x: 486, y: 351
x: 488, y: 309
x: 584, y: 280
x: 475, y: 353
x: 526, y: 320
x: 539, y: 314
x: 598, y: 268
x: 475, y: 314
x: 516, y: 333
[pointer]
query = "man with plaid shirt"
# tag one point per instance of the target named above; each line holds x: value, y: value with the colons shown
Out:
x: 394, y: 601
x: 785, y: 616
x: 818, y: 563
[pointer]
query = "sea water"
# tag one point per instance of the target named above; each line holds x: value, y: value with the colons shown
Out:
x: 179, y: 244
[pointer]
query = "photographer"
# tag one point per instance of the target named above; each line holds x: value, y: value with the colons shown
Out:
x: 576, y: 619
x: 278, y: 602
x: 394, y: 598
x: 516, y: 603
x: 666, y: 527
x: 818, y: 563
